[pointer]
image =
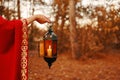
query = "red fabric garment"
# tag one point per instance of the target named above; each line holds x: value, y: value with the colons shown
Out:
x: 10, y: 49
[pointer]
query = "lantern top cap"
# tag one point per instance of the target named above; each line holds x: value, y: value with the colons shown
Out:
x: 50, y: 34
x: 50, y: 29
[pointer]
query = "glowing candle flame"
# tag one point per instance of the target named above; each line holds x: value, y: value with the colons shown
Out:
x: 49, y: 51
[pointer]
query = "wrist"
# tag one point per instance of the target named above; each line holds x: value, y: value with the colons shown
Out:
x: 25, y: 22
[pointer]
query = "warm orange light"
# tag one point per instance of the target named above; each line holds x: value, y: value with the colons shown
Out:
x: 49, y: 51
x: 41, y: 48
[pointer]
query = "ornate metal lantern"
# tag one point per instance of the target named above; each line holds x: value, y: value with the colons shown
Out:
x: 48, y: 47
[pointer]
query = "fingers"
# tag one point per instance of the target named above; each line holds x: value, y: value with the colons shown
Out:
x: 47, y: 19
x: 42, y: 19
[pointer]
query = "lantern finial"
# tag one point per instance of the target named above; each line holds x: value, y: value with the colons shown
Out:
x: 49, y: 65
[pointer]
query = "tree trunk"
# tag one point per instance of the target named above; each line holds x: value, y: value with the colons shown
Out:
x: 18, y: 3
x: 73, y: 32
x: 1, y: 7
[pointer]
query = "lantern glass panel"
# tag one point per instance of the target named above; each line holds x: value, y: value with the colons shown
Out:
x: 48, y: 48
x: 41, y: 47
x: 54, y: 46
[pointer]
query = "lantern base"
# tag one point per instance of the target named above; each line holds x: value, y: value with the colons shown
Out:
x: 50, y: 60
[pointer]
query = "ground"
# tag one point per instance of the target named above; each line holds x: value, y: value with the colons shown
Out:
x: 103, y: 65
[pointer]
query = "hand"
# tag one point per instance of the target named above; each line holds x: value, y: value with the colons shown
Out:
x: 41, y: 19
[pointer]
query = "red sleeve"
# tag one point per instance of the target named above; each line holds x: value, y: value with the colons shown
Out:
x: 7, y: 33
x: 10, y: 49
x: 2, y: 21
x: 6, y: 24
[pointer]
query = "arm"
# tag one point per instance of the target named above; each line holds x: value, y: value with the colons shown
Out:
x: 39, y: 18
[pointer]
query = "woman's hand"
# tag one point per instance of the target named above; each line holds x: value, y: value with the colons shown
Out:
x: 42, y: 19
x: 39, y: 18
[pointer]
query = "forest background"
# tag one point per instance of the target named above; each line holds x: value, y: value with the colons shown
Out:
x: 83, y: 27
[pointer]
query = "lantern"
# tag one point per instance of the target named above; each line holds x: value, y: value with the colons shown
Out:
x: 48, y: 47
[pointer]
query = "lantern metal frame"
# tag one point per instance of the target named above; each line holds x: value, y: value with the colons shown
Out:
x: 50, y: 44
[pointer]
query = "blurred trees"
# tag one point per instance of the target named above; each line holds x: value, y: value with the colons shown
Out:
x: 102, y: 31
x: 73, y: 32
x: 102, y: 35
x: 61, y: 10
x: 87, y: 29
x: 18, y: 3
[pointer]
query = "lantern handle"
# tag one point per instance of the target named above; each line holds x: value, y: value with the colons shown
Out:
x: 50, y: 27
x: 51, y: 24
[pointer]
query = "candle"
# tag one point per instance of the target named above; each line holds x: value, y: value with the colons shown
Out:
x: 49, y: 51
